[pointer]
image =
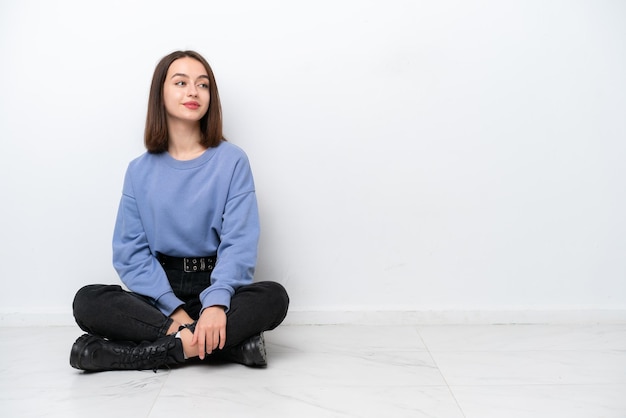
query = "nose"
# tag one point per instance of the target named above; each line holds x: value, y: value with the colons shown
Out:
x: 193, y: 90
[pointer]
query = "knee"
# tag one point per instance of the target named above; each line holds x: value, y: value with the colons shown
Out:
x: 281, y: 294
x: 87, y: 299
x: 278, y: 298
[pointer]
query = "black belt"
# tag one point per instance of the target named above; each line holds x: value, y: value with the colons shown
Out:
x: 187, y: 264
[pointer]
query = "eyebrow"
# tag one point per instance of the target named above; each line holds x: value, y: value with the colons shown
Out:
x: 185, y: 75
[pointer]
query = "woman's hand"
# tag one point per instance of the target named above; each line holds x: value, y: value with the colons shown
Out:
x: 210, y: 330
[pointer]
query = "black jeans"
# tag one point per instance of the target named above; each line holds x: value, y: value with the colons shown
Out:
x: 111, y: 312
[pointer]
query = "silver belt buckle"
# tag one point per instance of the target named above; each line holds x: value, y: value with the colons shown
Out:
x: 190, y: 265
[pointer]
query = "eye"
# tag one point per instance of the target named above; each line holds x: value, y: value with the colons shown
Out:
x: 203, y: 85
x: 180, y: 83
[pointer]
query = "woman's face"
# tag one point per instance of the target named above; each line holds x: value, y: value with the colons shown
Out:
x: 186, y: 90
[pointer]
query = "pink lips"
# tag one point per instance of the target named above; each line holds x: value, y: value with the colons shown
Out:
x: 191, y: 105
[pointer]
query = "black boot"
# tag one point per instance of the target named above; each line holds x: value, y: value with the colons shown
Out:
x: 251, y: 352
x: 92, y: 353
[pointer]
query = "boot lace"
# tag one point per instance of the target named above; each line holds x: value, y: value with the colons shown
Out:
x: 143, y: 356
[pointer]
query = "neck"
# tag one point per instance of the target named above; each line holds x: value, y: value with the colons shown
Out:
x: 184, y: 140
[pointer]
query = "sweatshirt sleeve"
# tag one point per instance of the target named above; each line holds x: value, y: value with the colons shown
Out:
x: 239, y: 236
x: 137, y: 267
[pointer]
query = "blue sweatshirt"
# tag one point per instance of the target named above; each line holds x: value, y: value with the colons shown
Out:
x: 202, y: 207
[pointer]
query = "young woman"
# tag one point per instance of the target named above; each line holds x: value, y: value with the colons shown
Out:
x: 184, y: 244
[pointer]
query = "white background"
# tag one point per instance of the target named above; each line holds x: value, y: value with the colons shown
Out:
x: 408, y: 155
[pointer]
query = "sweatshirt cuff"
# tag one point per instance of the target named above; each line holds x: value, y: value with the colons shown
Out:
x: 168, y: 303
x: 215, y: 297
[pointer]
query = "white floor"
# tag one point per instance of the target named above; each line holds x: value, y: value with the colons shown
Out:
x: 502, y: 371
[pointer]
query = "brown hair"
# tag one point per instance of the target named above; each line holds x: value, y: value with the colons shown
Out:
x: 156, y: 134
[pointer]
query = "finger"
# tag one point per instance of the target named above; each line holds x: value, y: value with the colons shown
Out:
x: 209, y: 343
x: 222, y: 338
x: 201, y: 345
x: 216, y: 339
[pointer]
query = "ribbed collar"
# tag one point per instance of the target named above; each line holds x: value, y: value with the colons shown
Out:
x: 188, y: 164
